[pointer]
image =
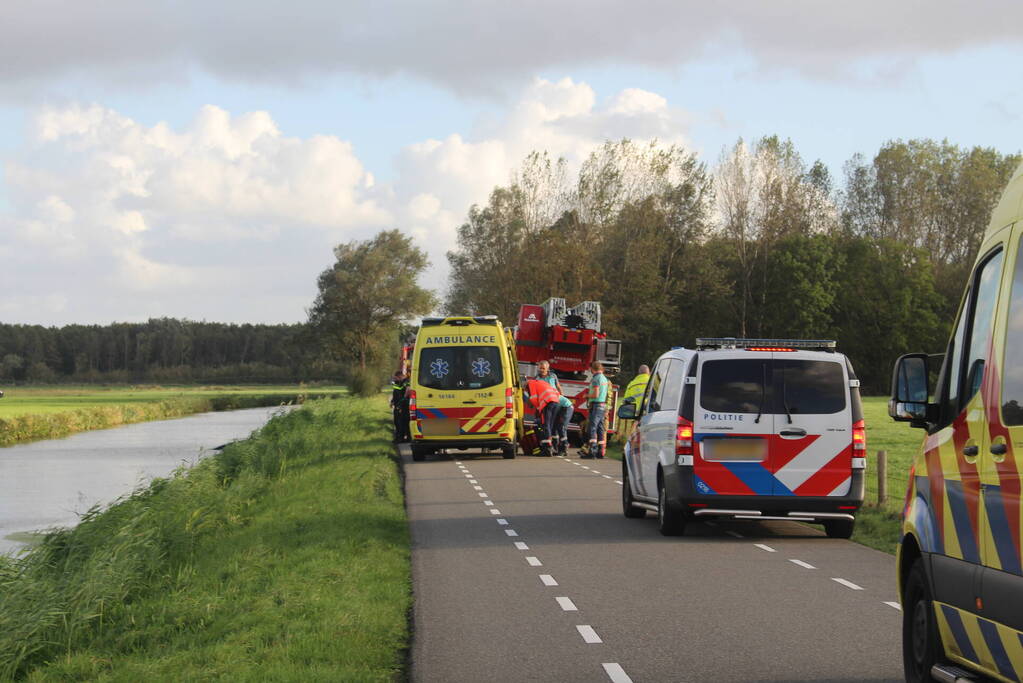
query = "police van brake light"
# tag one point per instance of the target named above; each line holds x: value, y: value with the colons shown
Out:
x: 769, y: 348
x: 859, y: 437
x: 684, y: 437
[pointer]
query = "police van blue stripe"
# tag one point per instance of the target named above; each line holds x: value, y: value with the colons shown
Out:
x: 955, y: 623
x: 757, y: 478
x: 961, y: 519
x: 995, y: 507
x: 994, y: 644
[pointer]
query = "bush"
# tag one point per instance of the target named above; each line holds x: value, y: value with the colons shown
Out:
x: 366, y: 382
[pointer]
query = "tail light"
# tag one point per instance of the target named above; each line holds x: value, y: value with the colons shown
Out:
x: 859, y: 439
x: 683, y: 437
x: 412, y: 405
x: 509, y: 403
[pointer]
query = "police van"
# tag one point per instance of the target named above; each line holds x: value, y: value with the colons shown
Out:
x: 959, y: 566
x: 747, y: 429
x: 464, y: 387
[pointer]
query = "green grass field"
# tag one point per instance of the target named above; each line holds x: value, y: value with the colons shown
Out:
x: 876, y: 526
x: 33, y: 413
x: 284, y: 558
x: 55, y: 399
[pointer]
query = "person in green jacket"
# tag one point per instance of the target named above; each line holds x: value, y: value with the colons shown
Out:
x: 635, y: 391
x: 596, y: 400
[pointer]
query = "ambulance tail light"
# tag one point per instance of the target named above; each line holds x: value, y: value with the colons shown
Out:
x: 683, y: 438
x: 509, y: 403
x: 412, y: 405
x: 859, y: 439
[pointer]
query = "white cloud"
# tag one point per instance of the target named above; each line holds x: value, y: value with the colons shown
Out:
x: 471, y: 46
x: 227, y: 214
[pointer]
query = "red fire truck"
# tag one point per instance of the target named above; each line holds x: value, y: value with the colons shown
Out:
x: 569, y: 338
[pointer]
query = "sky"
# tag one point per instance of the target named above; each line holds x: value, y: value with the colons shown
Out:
x: 200, y: 160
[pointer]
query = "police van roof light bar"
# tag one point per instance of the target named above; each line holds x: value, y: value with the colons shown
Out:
x: 733, y: 343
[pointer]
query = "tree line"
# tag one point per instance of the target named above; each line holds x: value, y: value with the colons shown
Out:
x: 164, y: 350
x: 762, y: 244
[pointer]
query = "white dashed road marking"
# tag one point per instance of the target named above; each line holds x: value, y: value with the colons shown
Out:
x: 618, y: 482
x: 534, y: 562
x: 478, y: 488
x: 567, y: 605
x: 763, y: 546
x: 521, y: 546
x: 511, y: 532
x: 847, y: 584
x: 895, y: 605
x: 606, y: 476
x: 502, y: 522
x: 488, y: 502
x: 495, y: 511
x: 548, y: 580
x: 483, y: 494
x: 616, y: 673
x: 804, y: 565
x: 734, y: 533
x: 588, y: 634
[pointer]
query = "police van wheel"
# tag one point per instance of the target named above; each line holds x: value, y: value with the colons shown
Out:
x: 418, y: 453
x: 920, y: 645
x: 670, y: 520
x: 839, y: 528
x: 628, y: 509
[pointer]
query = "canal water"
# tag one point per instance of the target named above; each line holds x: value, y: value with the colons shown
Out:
x: 50, y: 483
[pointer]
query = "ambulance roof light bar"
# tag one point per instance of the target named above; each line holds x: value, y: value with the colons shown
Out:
x: 704, y: 343
x: 458, y: 320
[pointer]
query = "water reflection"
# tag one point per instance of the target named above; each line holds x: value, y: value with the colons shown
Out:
x: 49, y: 483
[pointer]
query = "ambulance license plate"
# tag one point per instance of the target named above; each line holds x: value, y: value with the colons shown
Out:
x: 441, y: 427
x: 732, y: 450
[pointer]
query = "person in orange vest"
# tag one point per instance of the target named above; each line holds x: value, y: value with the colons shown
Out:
x: 544, y: 398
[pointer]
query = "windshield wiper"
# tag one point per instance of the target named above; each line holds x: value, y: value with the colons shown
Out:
x: 763, y: 393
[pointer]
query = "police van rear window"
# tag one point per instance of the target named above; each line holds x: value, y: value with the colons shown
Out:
x: 804, y: 387
x: 809, y: 387
x: 460, y: 367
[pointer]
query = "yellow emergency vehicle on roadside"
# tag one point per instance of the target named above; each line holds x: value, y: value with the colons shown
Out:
x: 465, y: 391
x: 959, y: 567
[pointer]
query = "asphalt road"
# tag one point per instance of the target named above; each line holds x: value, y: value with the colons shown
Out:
x: 526, y: 570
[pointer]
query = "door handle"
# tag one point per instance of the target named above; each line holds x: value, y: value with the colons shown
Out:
x: 468, y: 401
x: 999, y: 449
x: 792, y: 432
x: 970, y: 451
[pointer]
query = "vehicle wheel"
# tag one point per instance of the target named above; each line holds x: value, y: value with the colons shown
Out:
x: 418, y: 453
x: 628, y: 509
x: 670, y: 520
x: 508, y: 452
x: 921, y: 647
x: 839, y: 528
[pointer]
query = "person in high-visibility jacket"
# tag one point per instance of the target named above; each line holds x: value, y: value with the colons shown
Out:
x: 635, y: 391
x: 544, y: 398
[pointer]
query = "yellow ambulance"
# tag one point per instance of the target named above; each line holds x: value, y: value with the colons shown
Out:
x: 465, y: 390
x: 959, y: 569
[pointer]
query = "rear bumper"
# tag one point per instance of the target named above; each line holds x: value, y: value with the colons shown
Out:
x: 462, y: 444
x: 679, y: 487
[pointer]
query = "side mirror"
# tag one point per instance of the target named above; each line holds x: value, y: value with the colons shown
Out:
x: 911, y: 390
x: 627, y: 411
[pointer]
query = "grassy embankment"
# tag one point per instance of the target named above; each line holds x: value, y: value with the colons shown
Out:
x: 877, y: 526
x: 284, y: 558
x: 33, y: 413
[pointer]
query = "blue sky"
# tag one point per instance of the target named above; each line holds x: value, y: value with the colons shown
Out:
x: 107, y: 215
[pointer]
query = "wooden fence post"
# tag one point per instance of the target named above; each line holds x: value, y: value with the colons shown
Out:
x: 882, y: 477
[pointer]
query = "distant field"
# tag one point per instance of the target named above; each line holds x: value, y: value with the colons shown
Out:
x: 33, y: 413
x: 42, y: 400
